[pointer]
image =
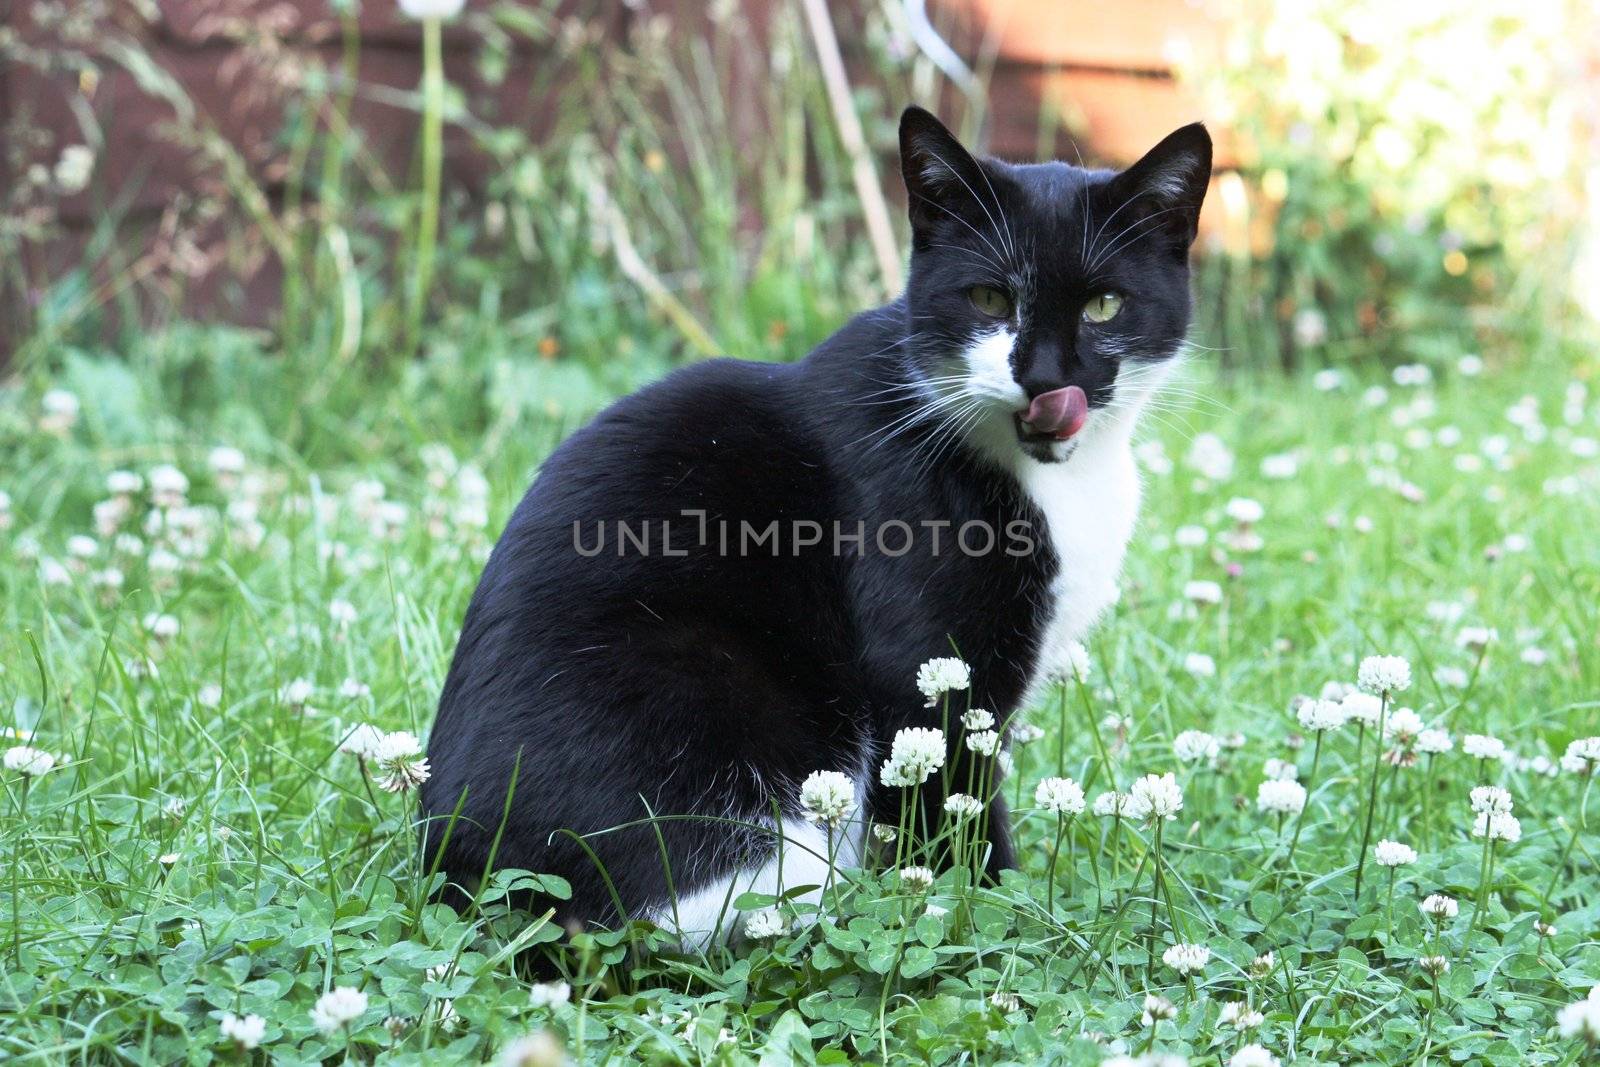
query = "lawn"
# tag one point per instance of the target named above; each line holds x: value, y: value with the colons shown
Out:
x: 215, y: 567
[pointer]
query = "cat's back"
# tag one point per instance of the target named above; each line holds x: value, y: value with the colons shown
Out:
x: 634, y: 525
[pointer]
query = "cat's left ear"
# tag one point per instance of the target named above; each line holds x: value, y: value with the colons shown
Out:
x: 941, y: 176
x: 1172, y: 179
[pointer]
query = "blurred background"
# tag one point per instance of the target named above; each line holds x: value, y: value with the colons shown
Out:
x: 190, y: 187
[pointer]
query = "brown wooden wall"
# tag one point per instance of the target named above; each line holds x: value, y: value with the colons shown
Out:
x: 1102, y: 67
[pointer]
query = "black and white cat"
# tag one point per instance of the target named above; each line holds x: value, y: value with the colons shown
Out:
x: 709, y: 591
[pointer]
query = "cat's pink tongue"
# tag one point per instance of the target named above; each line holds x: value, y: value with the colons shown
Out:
x: 1060, y: 412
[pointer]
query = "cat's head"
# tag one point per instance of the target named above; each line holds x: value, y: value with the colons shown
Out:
x: 1046, y: 300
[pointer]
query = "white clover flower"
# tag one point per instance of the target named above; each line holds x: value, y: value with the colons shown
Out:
x: 1393, y: 854
x: 1155, y: 797
x: 977, y: 719
x: 1240, y: 1016
x: 1434, y: 965
x: 1282, y: 796
x: 1363, y: 708
x: 338, y: 1007
x: 764, y: 924
x: 1320, y: 715
x: 60, y: 411
x: 1242, y: 509
x: 28, y: 761
x: 1153, y: 456
x: 827, y: 797
x: 1006, y: 1002
x: 73, y: 168
x: 1476, y: 638
x: 1490, y: 798
x: 984, y: 742
x: 169, y: 486
x: 1534, y: 656
x: 1190, y: 536
x: 1077, y: 663
x: 1111, y: 803
x: 1200, y: 665
x: 297, y: 692
x: 962, y: 806
x: 1482, y: 746
x: 1434, y: 742
x: 124, y: 483
x: 1156, y: 1008
x: 161, y: 627
x: 1192, y: 745
x: 399, y: 759
x: 1439, y: 907
x: 1252, y: 1056
x: 362, y: 741
x: 1327, y: 380
x: 538, y: 1049
x: 1581, y: 1020
x: 1497, y: 826
x: 431, y: 9
x: 1279, y: 770
x: 937, y: 677
x: 916, y: 753
x: 554, y: 994
x: 1203, y: 592
x: 1262, y: 965
x: 1384, y: 674
x: 1060, y: 796
x: 354, y: 689
x: 342, y: 612
x: 1187, y: 958
x: 916, y: 879
x: 1581, y: 756
x: 1211, y: 457
x: 1451, y: 677
x: 110, y: 578
x: 1025, y: 733
x: 245, y: 1032
x: 1539, y: 764
x: 1404, y: 726
x: 226, y: 461
x: 82, y: 546
x: 109, y: 515
x: 1280, y: 466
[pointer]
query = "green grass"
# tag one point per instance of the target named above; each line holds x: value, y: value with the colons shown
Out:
x: 288, y: 874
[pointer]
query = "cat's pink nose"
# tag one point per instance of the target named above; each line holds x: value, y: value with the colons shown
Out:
x: 1059, y: 413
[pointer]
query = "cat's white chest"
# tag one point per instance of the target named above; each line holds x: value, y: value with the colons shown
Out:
x: 1089, y: 504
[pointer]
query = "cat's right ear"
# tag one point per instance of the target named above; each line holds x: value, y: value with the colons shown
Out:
x: 939, y: 172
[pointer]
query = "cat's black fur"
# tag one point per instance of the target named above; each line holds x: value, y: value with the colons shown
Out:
x: 711, y: 684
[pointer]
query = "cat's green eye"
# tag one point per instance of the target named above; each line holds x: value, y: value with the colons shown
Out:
x: 995, y: 303
x: 1102, y: 308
